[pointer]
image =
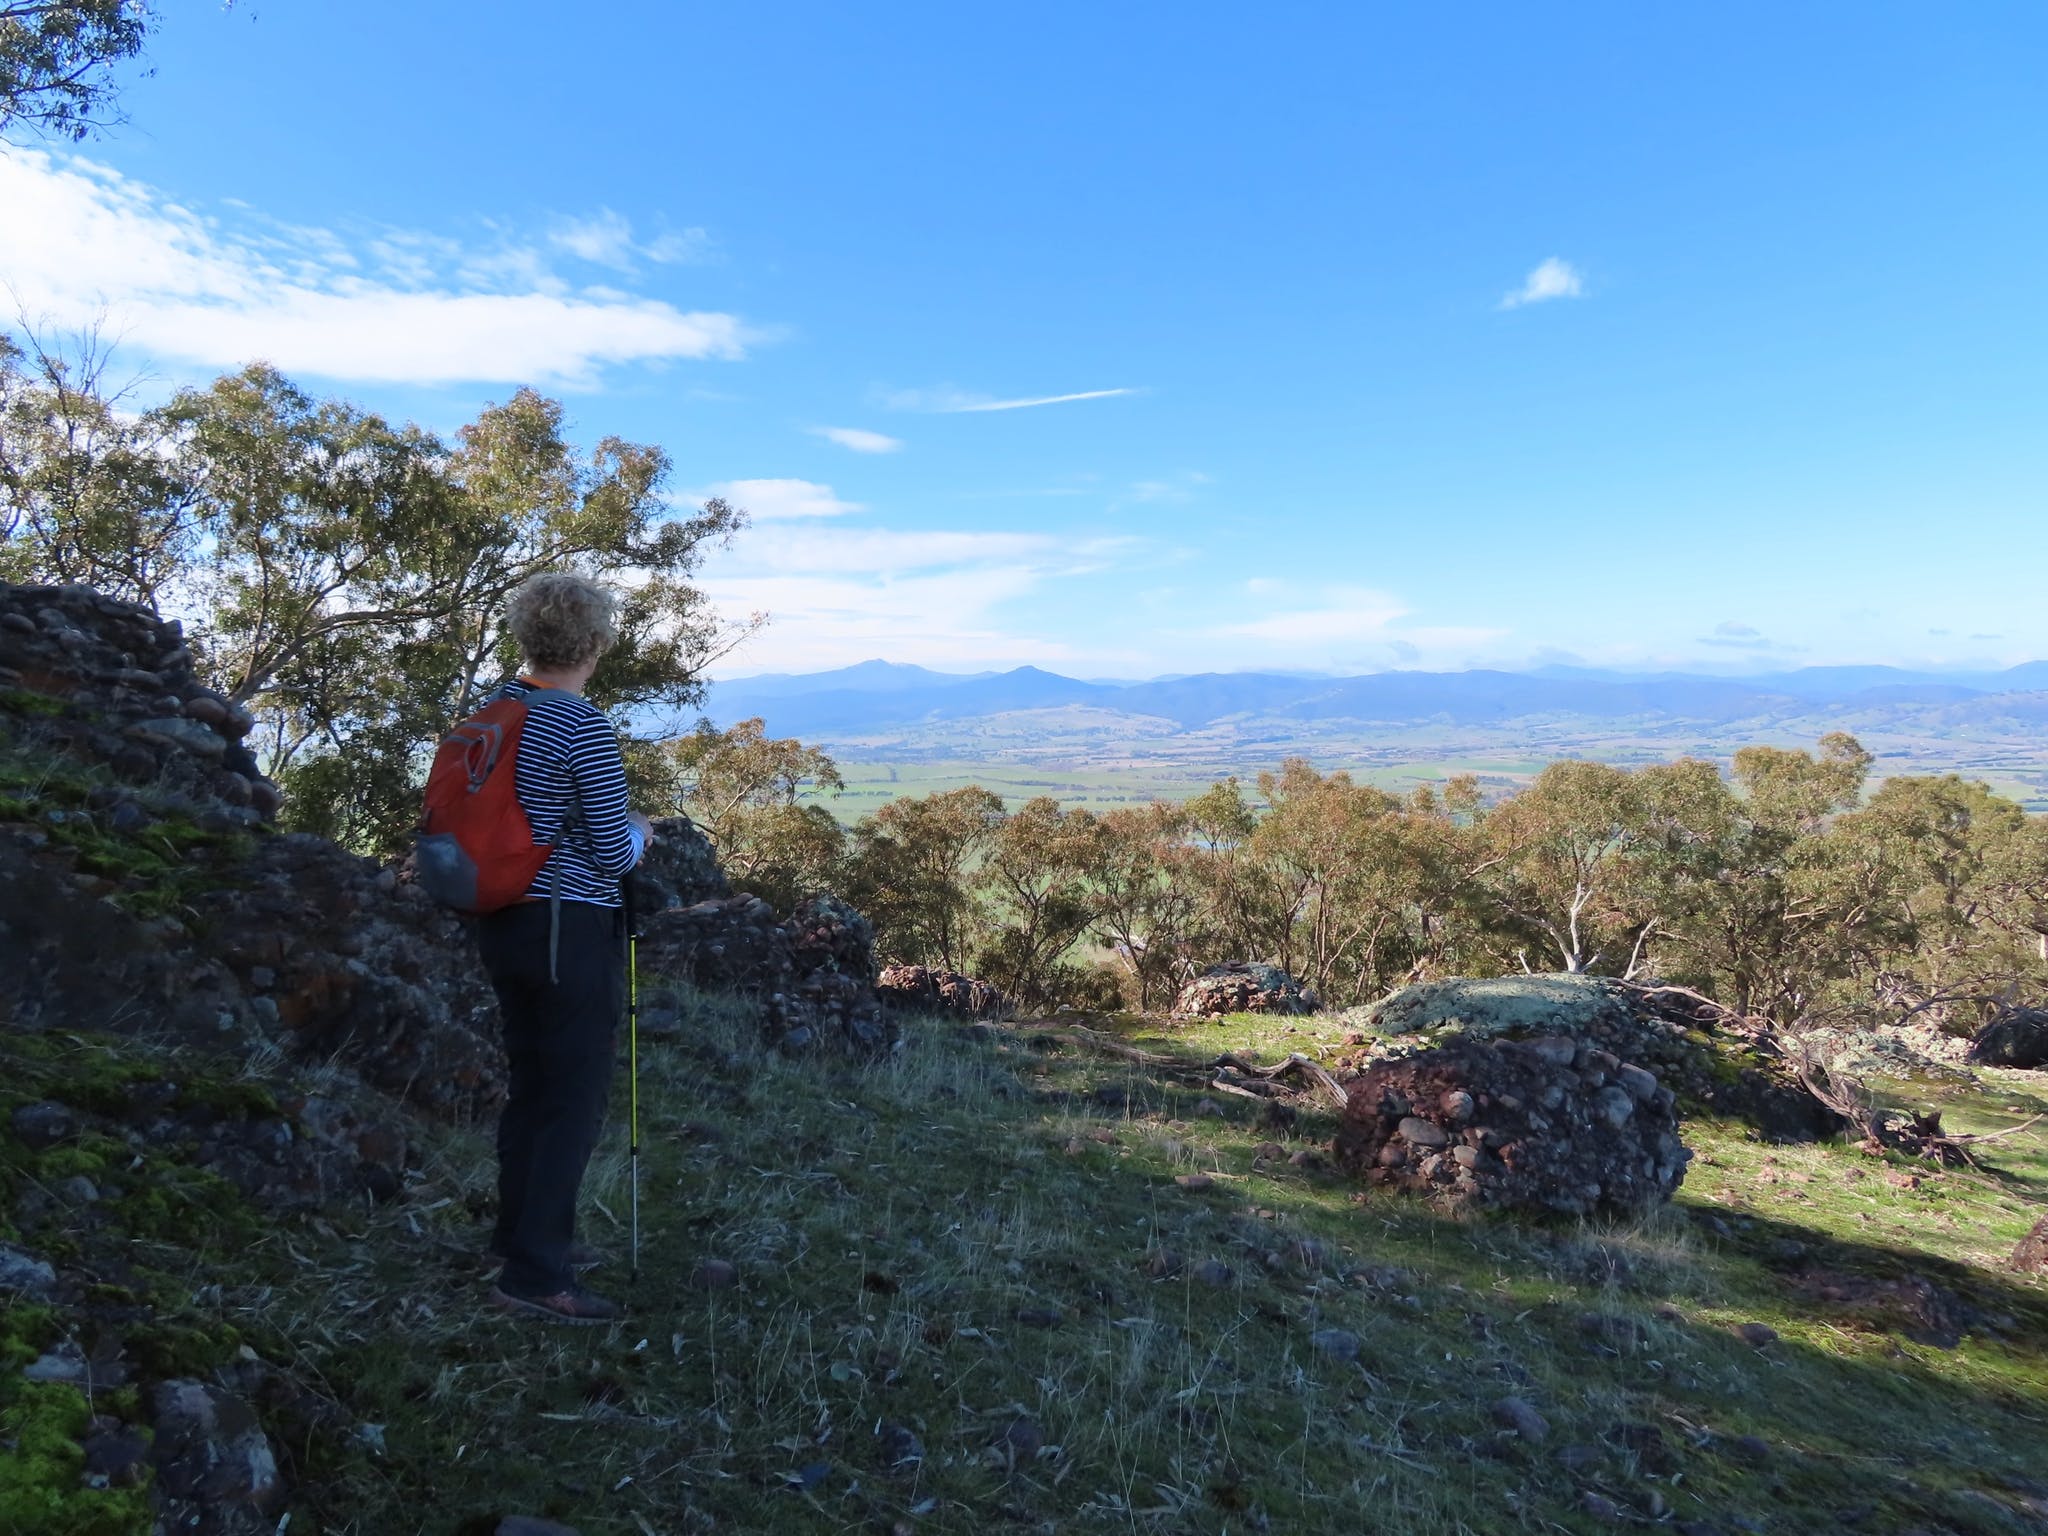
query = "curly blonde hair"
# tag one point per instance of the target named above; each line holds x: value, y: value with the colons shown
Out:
x: 563, y: 620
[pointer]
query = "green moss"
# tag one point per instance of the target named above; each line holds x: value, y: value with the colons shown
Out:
x: 192, y: 1207
x: 20, y: 701
x: 172, y: 1347
x: 40, y: 1473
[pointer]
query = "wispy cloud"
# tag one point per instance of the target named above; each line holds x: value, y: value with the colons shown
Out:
x: 606, y: 238
x: 941, y: 597
x: 781, y: 500
x: 949, y: 401
x: 222, y: 288
x: 1555, y: 278
x: 1729, y: 635
x: 1340, y: 628
x: 859, y: 439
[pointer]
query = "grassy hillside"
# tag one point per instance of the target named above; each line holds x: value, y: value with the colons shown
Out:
x: 1002, y: 1282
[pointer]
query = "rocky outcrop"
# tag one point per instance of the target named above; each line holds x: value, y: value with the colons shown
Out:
x: 813, y: 973
x: 1243, y: 987
x: 680, y: 870
x: 928, y: 989
x: 132, y: 699
x: 1719, y: 1065
x: 1548, y: 1124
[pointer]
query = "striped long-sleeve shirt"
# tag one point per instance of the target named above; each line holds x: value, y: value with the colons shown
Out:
x: 569, y: 754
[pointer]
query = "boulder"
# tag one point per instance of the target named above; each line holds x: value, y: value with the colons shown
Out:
x: 1243, y: 987
x: 2018, y: 1037
x: 1544, y: 1125
x: 1686, y: 1043
x: 928, y: 989
x: 2031, y: 1256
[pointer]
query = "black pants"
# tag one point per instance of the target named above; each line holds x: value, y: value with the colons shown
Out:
x: 559, y: 1042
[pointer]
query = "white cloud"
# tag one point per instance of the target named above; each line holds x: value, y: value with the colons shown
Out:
x: 606, y: 238
x: 1340, y: 628
x: 859, y: 439
x: 80, y: 241
x: 951, y: 402
x: 1551, y: 279
x: 777, y: 500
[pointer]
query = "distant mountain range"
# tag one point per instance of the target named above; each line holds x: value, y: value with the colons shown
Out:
x: 888, y: 698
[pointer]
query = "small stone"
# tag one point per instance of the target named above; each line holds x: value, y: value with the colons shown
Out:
x: 1641, y: 1085
x: 1457, y: 1105
x: 899, y: 1446
x: 1556, y: 1050
x: 1515, y: 1414
x: 1756, y: 1335
x: 715, y: 1275
x: 30, y: 1276
x: 1599, y: 1506
x: 1193, y: 1180
x: 1268, y: 1152
x: 118, y: 1456
x: 1161, y: 1262
x: 44, y: 1125
x: 1418, y: 1132
x: 78, y: 1190
x: 1039, y: 1317
x: 1215, y: 1273
x: 1750, y: 1448
x: 1022, y: 1438
x: 1335, y: 1343
x: 1614, y: 1106
x: 66, y: 1364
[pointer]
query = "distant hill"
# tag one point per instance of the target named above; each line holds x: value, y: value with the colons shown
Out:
x: 877, y: 696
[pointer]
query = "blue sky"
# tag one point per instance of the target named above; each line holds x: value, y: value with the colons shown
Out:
x: 1411, y: 336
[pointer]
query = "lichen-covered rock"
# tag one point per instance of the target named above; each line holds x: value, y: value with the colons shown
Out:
x: 929, y: 989
x: 1243, y: 987
x: 1687, y: 1043
x: 1546, y: 1124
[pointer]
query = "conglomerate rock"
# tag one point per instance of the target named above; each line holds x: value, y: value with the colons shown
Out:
x: 814, y: 973
x: 1548, y: 1124
x: 1690, y: 1045
x: 1243, y: 986
x: 931, y: 989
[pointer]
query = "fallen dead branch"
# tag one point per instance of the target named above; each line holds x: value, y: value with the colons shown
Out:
x: 1313, y: 1077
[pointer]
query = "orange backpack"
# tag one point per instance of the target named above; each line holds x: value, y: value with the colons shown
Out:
x: 476, y: 851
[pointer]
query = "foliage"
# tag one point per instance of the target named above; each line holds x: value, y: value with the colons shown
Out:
x: 345, y: 576
x: 56, y: 58
x: 1775, y: 889
x: 88, y: 493
x: 743, y: 789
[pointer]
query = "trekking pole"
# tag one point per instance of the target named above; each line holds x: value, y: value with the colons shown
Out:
x: 633, y: 1066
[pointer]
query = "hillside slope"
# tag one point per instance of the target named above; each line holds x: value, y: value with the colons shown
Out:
x: 995, y: 1278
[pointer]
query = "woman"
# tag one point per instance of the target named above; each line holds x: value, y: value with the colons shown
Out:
x: 557, y: 959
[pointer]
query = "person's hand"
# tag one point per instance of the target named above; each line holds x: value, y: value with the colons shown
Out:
x: 646, y: 828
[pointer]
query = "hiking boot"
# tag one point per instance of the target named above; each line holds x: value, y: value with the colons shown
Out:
x: 576, y: 1306
x: 582, y: 1259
